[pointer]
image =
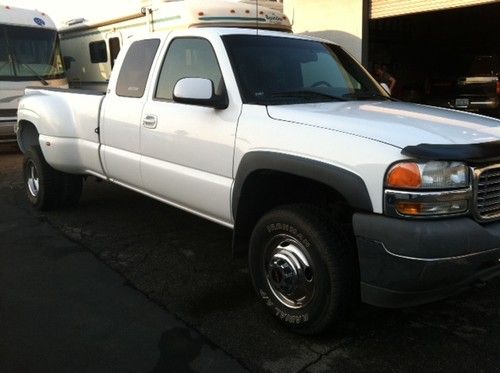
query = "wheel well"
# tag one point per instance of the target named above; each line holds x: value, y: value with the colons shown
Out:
x: 264, y: 190
x: 27, y: 135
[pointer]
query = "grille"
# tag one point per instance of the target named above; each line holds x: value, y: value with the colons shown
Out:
x: 488, y: 193
x: 8, y: 113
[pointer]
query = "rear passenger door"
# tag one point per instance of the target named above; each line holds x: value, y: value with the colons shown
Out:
x: 188, y: 152
x: 121, y: 117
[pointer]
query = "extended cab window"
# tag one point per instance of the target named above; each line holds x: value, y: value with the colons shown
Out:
x: 98, y: 52
x: 188, y: 58
x: 135, y: 69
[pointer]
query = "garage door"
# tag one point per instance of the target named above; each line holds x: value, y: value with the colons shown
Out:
x: 391, y: 8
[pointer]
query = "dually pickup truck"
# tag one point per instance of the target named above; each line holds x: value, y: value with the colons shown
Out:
x: 335, y: 192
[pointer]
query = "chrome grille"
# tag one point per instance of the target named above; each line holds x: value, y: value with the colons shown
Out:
x: 487, y: 196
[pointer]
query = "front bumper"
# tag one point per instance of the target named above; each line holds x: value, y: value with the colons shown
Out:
x: 406, y: 262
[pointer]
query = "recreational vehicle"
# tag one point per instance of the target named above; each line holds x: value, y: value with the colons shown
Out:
x: 29, y: 56
x: 90, y: 49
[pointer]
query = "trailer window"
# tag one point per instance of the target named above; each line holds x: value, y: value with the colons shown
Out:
x: 98, y: 53
x: 114, y: 49
x: 136, y: 67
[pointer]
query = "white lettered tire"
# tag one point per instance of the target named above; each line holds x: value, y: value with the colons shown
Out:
x: 303, y: 267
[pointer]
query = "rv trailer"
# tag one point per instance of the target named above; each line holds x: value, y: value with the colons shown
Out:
x: 90, y: 49
x: 29, y: 56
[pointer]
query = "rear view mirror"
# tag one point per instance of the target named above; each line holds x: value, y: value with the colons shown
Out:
x: 198, y: 91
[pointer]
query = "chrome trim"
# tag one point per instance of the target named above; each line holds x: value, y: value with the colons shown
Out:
x: 33, y: 181
x: 437, y: 259
x: 477, y: 172
x: 482, y: 102
x: 391, y: 195
x: 289, y: 271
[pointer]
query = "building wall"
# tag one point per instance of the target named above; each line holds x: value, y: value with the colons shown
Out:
x: 340, y: 21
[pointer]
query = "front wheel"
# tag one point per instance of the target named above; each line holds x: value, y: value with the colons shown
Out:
x: 302, y: 266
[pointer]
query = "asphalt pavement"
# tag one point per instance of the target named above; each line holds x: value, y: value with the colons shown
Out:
x: 177, y: 271
x: 63, y: 310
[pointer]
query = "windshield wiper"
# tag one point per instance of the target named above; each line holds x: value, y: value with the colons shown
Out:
x: 44, y: 82
x: 306, y: 94
x: 368, y: 96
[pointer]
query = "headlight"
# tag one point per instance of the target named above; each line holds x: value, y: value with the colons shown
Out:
x: 411, y: 189
x: 430, y: 175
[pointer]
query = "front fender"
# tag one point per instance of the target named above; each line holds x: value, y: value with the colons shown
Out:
x: 348, y: 184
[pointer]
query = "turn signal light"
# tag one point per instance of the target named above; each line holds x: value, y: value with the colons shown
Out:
x: 404, y: 175
x: 408, y: 208
x: 498, y: 88
x: 436, y: 208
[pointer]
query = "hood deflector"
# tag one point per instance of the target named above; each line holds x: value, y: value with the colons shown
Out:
x: 486, y: 152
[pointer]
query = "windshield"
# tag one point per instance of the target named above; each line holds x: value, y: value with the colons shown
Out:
x: 278, y: 71
x: 482, y: 65
x: 28, y: 53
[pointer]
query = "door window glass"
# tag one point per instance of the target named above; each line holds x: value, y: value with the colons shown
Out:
x: 188, y: 58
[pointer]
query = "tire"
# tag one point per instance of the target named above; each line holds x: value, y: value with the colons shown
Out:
x: 43, y: 184
x: 72, y: 190
x: 303, y: 267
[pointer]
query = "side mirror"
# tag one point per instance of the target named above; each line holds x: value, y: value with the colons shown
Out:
x: 198, y: 91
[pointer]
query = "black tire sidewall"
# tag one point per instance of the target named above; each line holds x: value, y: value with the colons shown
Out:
x: 50, y: 181
x: 317, y: 313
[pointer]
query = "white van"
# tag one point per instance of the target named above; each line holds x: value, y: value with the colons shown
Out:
x: 90, y: 49
x: 29, y: 56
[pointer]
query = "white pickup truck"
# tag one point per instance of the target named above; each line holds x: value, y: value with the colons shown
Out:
x: 335, y: 191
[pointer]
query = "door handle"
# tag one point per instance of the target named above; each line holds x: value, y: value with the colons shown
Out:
x: 150, y: 121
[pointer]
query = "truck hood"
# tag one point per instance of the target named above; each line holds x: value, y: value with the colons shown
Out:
x: 395, y: 123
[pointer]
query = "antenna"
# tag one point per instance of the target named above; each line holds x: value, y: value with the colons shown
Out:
x: 257, y: 15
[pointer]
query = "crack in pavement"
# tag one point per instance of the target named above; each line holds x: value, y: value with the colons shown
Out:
x: 341, y: 344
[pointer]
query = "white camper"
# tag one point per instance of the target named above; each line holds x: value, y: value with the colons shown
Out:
x: 90, y: 49
x: 29, y: 56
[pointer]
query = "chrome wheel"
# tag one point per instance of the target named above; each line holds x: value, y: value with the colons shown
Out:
x: 32, y: 179
x: 289, y: 272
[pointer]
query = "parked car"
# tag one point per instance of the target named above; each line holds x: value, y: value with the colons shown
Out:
x: 479, y: 90
x: 335, y: 192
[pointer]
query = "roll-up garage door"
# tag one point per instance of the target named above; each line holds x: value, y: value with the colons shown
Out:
x: 391, y: 8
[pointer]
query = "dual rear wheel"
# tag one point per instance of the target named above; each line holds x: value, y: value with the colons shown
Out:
x: 46, y: 187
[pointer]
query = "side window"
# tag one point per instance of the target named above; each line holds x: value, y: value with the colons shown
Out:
x: 98, y: 52
x: 188, y: 58
x: 114, y: 49
x: 135, y: 69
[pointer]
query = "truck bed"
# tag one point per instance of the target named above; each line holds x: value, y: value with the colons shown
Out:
x: 72, y: 117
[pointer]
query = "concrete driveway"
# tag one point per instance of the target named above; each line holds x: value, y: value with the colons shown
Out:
x: 184, y: 264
